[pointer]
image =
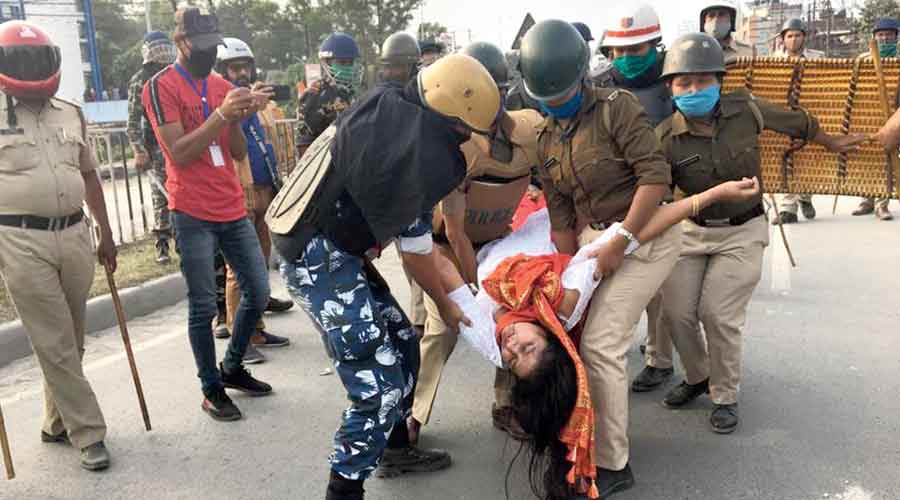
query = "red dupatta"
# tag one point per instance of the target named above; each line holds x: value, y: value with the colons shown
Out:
x: 531, y: 288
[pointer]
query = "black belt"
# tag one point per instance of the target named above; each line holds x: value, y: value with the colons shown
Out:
x: 737, y: 220
x: 42, y: 223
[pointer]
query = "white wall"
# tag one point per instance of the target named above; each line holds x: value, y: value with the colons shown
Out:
x: 60, y: 19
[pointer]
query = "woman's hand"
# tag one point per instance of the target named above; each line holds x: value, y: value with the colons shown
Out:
x: 844, y: 143
x: 453, y: 315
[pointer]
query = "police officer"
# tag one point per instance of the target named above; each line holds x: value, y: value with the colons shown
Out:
x: 158, y: 52
x: 339, y: 208
x: 721, y: 19
x: 885, y: 32
x: 47, y: 171
x: 399, y: 60
x: 600, y: 164
x: 793, y: 39
x: 477, y: 212
x: 714, y: 138
x: 431, y: 52
x: 260, y: 179
x: 633, y: 44
x: 323, y: 100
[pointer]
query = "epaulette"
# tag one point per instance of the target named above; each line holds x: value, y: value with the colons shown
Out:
x: 66, y: 101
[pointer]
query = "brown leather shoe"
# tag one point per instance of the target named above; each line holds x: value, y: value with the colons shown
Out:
x: 865, y: 207
x: 882, y: 212
x: 505, y: 420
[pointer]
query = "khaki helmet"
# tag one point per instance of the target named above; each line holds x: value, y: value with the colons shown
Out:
x: 458, y: 86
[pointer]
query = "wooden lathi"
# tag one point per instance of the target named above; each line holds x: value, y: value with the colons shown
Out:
x: 844, y: 95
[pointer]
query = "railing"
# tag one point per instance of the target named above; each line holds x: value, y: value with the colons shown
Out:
x: 127, y: 189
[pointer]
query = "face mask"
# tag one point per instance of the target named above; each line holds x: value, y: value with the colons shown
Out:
x: 698, y: 104
x: 566, y: 111
x: 200, y: 63
x: 718, y: 28
x: 632, y: 67
x: 887, y: 49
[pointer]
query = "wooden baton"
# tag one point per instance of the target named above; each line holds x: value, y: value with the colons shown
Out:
x: 123, y: 328
x: 7, y: 456
x: 893, y: 160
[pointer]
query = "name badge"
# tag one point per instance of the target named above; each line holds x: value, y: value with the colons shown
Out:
x: 690, y: 160
x: 215, y: 151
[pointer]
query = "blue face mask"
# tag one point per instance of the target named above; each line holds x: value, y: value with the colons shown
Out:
x: 566, y: 111
x: 698, y: 104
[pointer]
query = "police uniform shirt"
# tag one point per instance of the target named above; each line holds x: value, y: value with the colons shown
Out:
x: 40, y: 159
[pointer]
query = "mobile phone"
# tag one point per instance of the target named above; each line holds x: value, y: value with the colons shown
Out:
x: 281, y: 93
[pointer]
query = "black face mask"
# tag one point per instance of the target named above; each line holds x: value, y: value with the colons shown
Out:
x: 200, y: 63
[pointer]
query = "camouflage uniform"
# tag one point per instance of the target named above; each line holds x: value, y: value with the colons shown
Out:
x: 318, y: 108
x: 141, y: 137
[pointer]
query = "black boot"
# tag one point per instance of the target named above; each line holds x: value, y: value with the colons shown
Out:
x: 684, y: 393
x: 614, y: 481
x: 724, y: 418
x: 650, y: 378
x: 340, y: 488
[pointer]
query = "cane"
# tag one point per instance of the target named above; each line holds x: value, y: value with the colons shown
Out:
x: 7, y: 456
x: 123, y: 327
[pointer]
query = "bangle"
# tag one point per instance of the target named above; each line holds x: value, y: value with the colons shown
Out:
x: 695, y: 205
x: 222, y: 115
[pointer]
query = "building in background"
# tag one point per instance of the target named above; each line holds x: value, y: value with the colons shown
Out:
x: 64, y: 20
x: 763, y: 22
x: 830, y: 31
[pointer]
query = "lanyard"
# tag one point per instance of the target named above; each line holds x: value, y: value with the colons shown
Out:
x: 261, y: 144
x: 187, y: 77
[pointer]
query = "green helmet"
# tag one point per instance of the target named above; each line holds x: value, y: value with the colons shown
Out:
x: 793, y: 24
x: 694, y: 53
x: 400, y: 48
x: 553, y: 59
x: 491, y: 57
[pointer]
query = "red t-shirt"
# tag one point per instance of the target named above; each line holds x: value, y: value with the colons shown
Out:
x: 199, y: 189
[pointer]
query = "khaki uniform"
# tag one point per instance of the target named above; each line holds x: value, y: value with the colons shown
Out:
x: 256, y: 200
x: 736, y: 49
x: 791, y: 202
x: 48, y: 273
x: 880, y: 202
x: 722, y: 249
x: 489, y: 197
x: 590, y: 180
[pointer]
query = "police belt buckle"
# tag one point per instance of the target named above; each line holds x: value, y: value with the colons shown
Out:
x: 717, y: 222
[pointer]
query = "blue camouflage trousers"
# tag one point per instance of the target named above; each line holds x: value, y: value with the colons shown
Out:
x: 371, y: 342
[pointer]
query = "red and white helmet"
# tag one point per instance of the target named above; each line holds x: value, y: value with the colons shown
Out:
x: 632, y: 24
x: 29, y: 61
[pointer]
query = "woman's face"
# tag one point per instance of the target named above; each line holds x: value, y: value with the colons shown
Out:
x: 521, y: 347
x: 692, y: 83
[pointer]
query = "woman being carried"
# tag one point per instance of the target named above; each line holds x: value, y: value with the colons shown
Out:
x: 531, y: 296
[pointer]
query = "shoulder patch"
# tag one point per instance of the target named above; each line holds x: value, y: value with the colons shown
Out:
x: 66, y: 101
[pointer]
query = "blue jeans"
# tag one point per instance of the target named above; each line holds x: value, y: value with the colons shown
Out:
x: 198, y: 242
x: 371, y: 342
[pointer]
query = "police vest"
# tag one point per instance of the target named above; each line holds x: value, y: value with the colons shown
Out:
x: 494, y: 188
x: 656, y: 99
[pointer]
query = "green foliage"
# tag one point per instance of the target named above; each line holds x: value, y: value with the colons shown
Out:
x: 431, y: 31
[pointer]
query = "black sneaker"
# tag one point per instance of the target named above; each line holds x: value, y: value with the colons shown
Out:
x: 396, y: 461
x: 684, y: 393
x: 278, y: 305
x: 221, y: 331
x: 162, y: 252
x: 241, y: 380
x: 724, y: 418
x: 650, y: 378
x: 266, y: 340
x: 220, y: 407
x: 62, y: 437
x: 252, y: 356
x: 614, y: 481
x: 809, y: 211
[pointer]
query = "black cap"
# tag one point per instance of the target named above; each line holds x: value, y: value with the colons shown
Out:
x: 200, y: 28
x: 584, y: 31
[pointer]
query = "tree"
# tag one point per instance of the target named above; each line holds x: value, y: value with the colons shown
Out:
x: 116, y: 35
x: 431, y: 31
x: 370, y: 21
x: 871, y: 11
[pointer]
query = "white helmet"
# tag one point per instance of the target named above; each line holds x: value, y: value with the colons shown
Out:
x: 234, y: 48
x: 731, y: 5
x: 632, y: 24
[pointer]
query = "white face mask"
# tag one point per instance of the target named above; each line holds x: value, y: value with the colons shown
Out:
x: 718, y: 28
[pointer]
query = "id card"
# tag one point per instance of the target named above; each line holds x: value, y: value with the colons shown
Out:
x: 215, y: 151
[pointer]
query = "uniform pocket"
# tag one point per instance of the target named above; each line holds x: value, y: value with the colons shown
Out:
x: 595, y: 168
x: 18, y: 153
x: 69, y: 145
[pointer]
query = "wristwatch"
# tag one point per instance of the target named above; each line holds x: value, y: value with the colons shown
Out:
x: 628, y: 235
x: 473, y: 288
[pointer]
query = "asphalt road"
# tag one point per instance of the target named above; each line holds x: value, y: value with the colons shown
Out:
x: 820, y: 403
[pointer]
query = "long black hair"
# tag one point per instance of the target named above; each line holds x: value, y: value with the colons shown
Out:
x: 542, y: 403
